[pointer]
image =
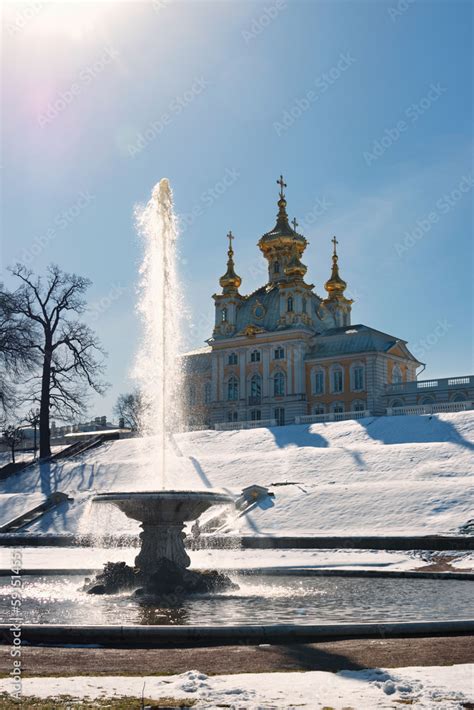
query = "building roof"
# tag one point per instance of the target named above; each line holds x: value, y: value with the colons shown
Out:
x: 354, y: 339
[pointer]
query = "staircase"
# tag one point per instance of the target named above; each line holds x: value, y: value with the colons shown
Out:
x: 78, y: 448
x: 29, y: 516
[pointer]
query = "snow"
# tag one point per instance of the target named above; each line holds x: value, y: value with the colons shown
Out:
x: 94, y: 558
x: 385, y: 475
x: 446, y: 687
x: 12, y: 505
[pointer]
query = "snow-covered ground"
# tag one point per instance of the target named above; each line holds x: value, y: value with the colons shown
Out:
x: 95, y: 558
x: 386, y: 475
x: 444, y: 687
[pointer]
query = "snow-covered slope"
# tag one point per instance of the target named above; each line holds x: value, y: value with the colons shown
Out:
x: 387, y: 475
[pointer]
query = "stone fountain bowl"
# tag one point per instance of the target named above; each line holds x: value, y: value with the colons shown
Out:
x: 162, y: 515
x: 162, y: 507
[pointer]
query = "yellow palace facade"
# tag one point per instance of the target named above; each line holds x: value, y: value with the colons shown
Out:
x: 283, y: 354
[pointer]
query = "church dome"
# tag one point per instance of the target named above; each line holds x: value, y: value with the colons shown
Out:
x: 282, y: 233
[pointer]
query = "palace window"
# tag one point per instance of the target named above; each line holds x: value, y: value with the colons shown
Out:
x: 319, y: 409
x: 305, y: 305
x: 279, y: 353
x: 232, y: 416
x: 337, y: 377
x: 255, y: 356
x: 233, y: 389
x: 318, y: 381
x: 256, y: 387
x: 276, y: 267
x: 289, y: 304
x: 357, y: 373
x: 192, y: 395
x: 358, y: 406
x: 397, y: 376
x: 224, y: 315
x: 255, y: 415
x: 233, y: 359
x: 279, y: 384
x: 280, y: 416
x: 207, y: 392
x: 337, y: 407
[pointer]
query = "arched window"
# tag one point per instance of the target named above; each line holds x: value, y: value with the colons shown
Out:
x: 233, y: 389
x: 397, y: 403
x: 397, y: 376
x: 256, y: 387
x: 255, y: 356
x: 358, y: 405
x: 207, y: 392
x: 279, y: 384
x: 319, y: 409
x: 224, y: 315
x: 337, y: 379
x: 305, y: 305
x: 357, y: 377
x: 337, y: 407
x: 318, y: 380
x: 232, y: 416
x: 458, y: 397
x: 427, y: 400
x: 276, y: 267
x: 289, y: 304
x: 255, y: 415
x: 233, y: 359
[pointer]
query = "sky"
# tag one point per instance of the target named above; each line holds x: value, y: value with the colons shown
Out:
x: 366, y: 108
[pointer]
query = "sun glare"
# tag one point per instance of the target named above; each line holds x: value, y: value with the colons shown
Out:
x: 70, y: 18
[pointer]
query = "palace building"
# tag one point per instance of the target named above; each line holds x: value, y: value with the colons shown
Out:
x: 284, y: 354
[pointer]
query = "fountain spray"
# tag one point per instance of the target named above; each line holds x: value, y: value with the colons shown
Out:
x: 158, y: 367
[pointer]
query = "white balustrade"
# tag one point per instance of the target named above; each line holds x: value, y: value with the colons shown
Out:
x: 436, y: 407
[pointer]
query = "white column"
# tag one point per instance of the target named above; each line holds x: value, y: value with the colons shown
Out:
x: 266, y: 370
x: 243, y: 383
x: 289, y: 370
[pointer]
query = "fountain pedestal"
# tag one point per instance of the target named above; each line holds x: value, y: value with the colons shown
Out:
x: 162, y: 555
x: 161, y: 541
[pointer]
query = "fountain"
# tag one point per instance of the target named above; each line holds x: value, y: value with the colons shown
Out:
x: 161, y: 566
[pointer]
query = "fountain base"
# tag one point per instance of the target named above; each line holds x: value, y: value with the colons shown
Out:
x: 169, y: 582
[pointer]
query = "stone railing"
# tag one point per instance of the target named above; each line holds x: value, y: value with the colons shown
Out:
x: 253, y: 424
x: 444, y: 383
x: 332, y: 417
x: 436, y: 407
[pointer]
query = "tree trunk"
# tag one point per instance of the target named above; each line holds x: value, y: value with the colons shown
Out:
x: 45, y: 434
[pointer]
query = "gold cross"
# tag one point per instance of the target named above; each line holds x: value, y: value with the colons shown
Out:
x: 282, y: 184
x: 294, y: 223
x: 230, y: 237
x: 334, y: 241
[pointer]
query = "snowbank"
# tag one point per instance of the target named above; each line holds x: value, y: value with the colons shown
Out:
x: 447, y: 687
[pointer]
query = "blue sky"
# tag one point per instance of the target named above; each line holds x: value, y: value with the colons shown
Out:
x: 365, y: 107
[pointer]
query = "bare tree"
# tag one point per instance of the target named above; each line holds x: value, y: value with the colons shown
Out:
x: 12, y: 436
x: 16, y: 353
x: 130, y: 409
x: 71, y: 359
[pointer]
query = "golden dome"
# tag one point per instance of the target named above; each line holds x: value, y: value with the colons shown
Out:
x: 335, y: 286
x: 295, y: 267
x: 230, y: 281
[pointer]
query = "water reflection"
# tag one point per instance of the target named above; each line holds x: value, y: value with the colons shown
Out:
x: 259, y: 600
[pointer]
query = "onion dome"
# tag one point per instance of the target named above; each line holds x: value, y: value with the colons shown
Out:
x: 230, y: 281
x: 295, y: 268
x: 282, y: 232
x: 335, y: 286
